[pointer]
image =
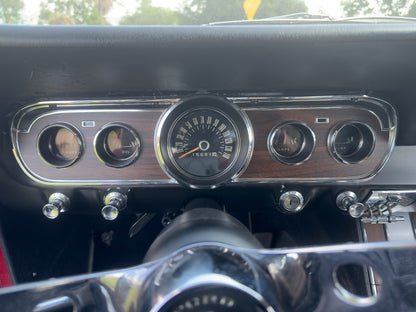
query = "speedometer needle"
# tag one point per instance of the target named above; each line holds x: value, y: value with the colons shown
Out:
x: 190, y: 152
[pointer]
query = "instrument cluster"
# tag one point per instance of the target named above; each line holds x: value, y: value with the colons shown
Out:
x: 204, y: 141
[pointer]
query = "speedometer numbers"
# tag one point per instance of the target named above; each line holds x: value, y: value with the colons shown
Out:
x: 204, y: 141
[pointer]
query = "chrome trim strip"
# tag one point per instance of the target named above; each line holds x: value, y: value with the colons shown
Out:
x: 382, y: 110
x: 401, y: 230
x: 55, y: 304
x: 371, y: 284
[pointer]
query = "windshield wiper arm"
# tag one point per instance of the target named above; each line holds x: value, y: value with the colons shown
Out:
x: 305, y: 18
x: 301, y: 17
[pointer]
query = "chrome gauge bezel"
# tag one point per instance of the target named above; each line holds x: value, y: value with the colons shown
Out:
x: 103, y: 154
x: 233, y: 114
x: 52, y: 160
x: 365, y: 148
x: 307, y: 147
x: 179, y: 118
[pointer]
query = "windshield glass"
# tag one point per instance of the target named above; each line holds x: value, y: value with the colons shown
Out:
x: 191, y: 12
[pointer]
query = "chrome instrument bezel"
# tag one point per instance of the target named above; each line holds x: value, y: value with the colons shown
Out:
x: 171, y: 116
x: 345, y: 159
x: 100, y: 150
x: 302, y: 155
x: 173, y: 125
x: 27, y: 116
x: 77, y: 136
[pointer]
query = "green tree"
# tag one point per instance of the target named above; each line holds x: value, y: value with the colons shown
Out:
x: 379, y: 7
x: 103, y: 6
x: 206, y: 11
x: 146, y: 14
x: 11, y: 11
x: 74, y: 12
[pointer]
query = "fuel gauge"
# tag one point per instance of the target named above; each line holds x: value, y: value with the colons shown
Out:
x: 60, y: 145
x: 291, y: 143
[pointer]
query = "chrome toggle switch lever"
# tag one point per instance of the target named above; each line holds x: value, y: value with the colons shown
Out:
x: 58, y: 203
x: 347, y: 201
x: 114, y: 203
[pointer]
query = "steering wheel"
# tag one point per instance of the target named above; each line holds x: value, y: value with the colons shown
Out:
x: 206, y: 260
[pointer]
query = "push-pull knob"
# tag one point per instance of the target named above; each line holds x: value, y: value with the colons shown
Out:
x: 114, y: 202
x: 57, y: 204
x: 347, y: 201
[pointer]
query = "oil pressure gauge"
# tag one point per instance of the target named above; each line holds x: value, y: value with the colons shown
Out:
x: 351, y: 142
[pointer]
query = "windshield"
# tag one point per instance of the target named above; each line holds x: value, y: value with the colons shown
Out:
x: 190, y: 12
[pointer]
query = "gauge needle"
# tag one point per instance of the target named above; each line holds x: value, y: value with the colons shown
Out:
x: 118, y: 134
x: 190, y: 152
x: 63, y: 139
x: 284, y: 140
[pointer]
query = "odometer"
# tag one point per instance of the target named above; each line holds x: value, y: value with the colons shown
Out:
x: 204, y: 141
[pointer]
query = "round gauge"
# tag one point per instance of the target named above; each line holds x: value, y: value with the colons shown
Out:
x: 348, y: 141
x: 288, y: 140
x: 117, y: 145
x: 204, y: 141
x: 120, y: 143
x: 291, y: 143
x: 351, y: 142
x: 59, y: 145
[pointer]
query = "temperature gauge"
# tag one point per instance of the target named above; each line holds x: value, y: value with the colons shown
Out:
x: 288, y: 141
x: 291, y: 143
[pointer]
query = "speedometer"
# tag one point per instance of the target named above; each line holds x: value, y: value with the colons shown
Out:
x: 204, y: 141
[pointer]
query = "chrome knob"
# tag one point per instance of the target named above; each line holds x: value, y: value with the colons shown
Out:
x: 348, y: 201
x: 356, y: 210
x: 291, y: 202
x: 114, y: 203
x: 58, y: 203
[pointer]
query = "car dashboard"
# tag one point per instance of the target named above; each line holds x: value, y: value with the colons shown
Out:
x: 282, y: 153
